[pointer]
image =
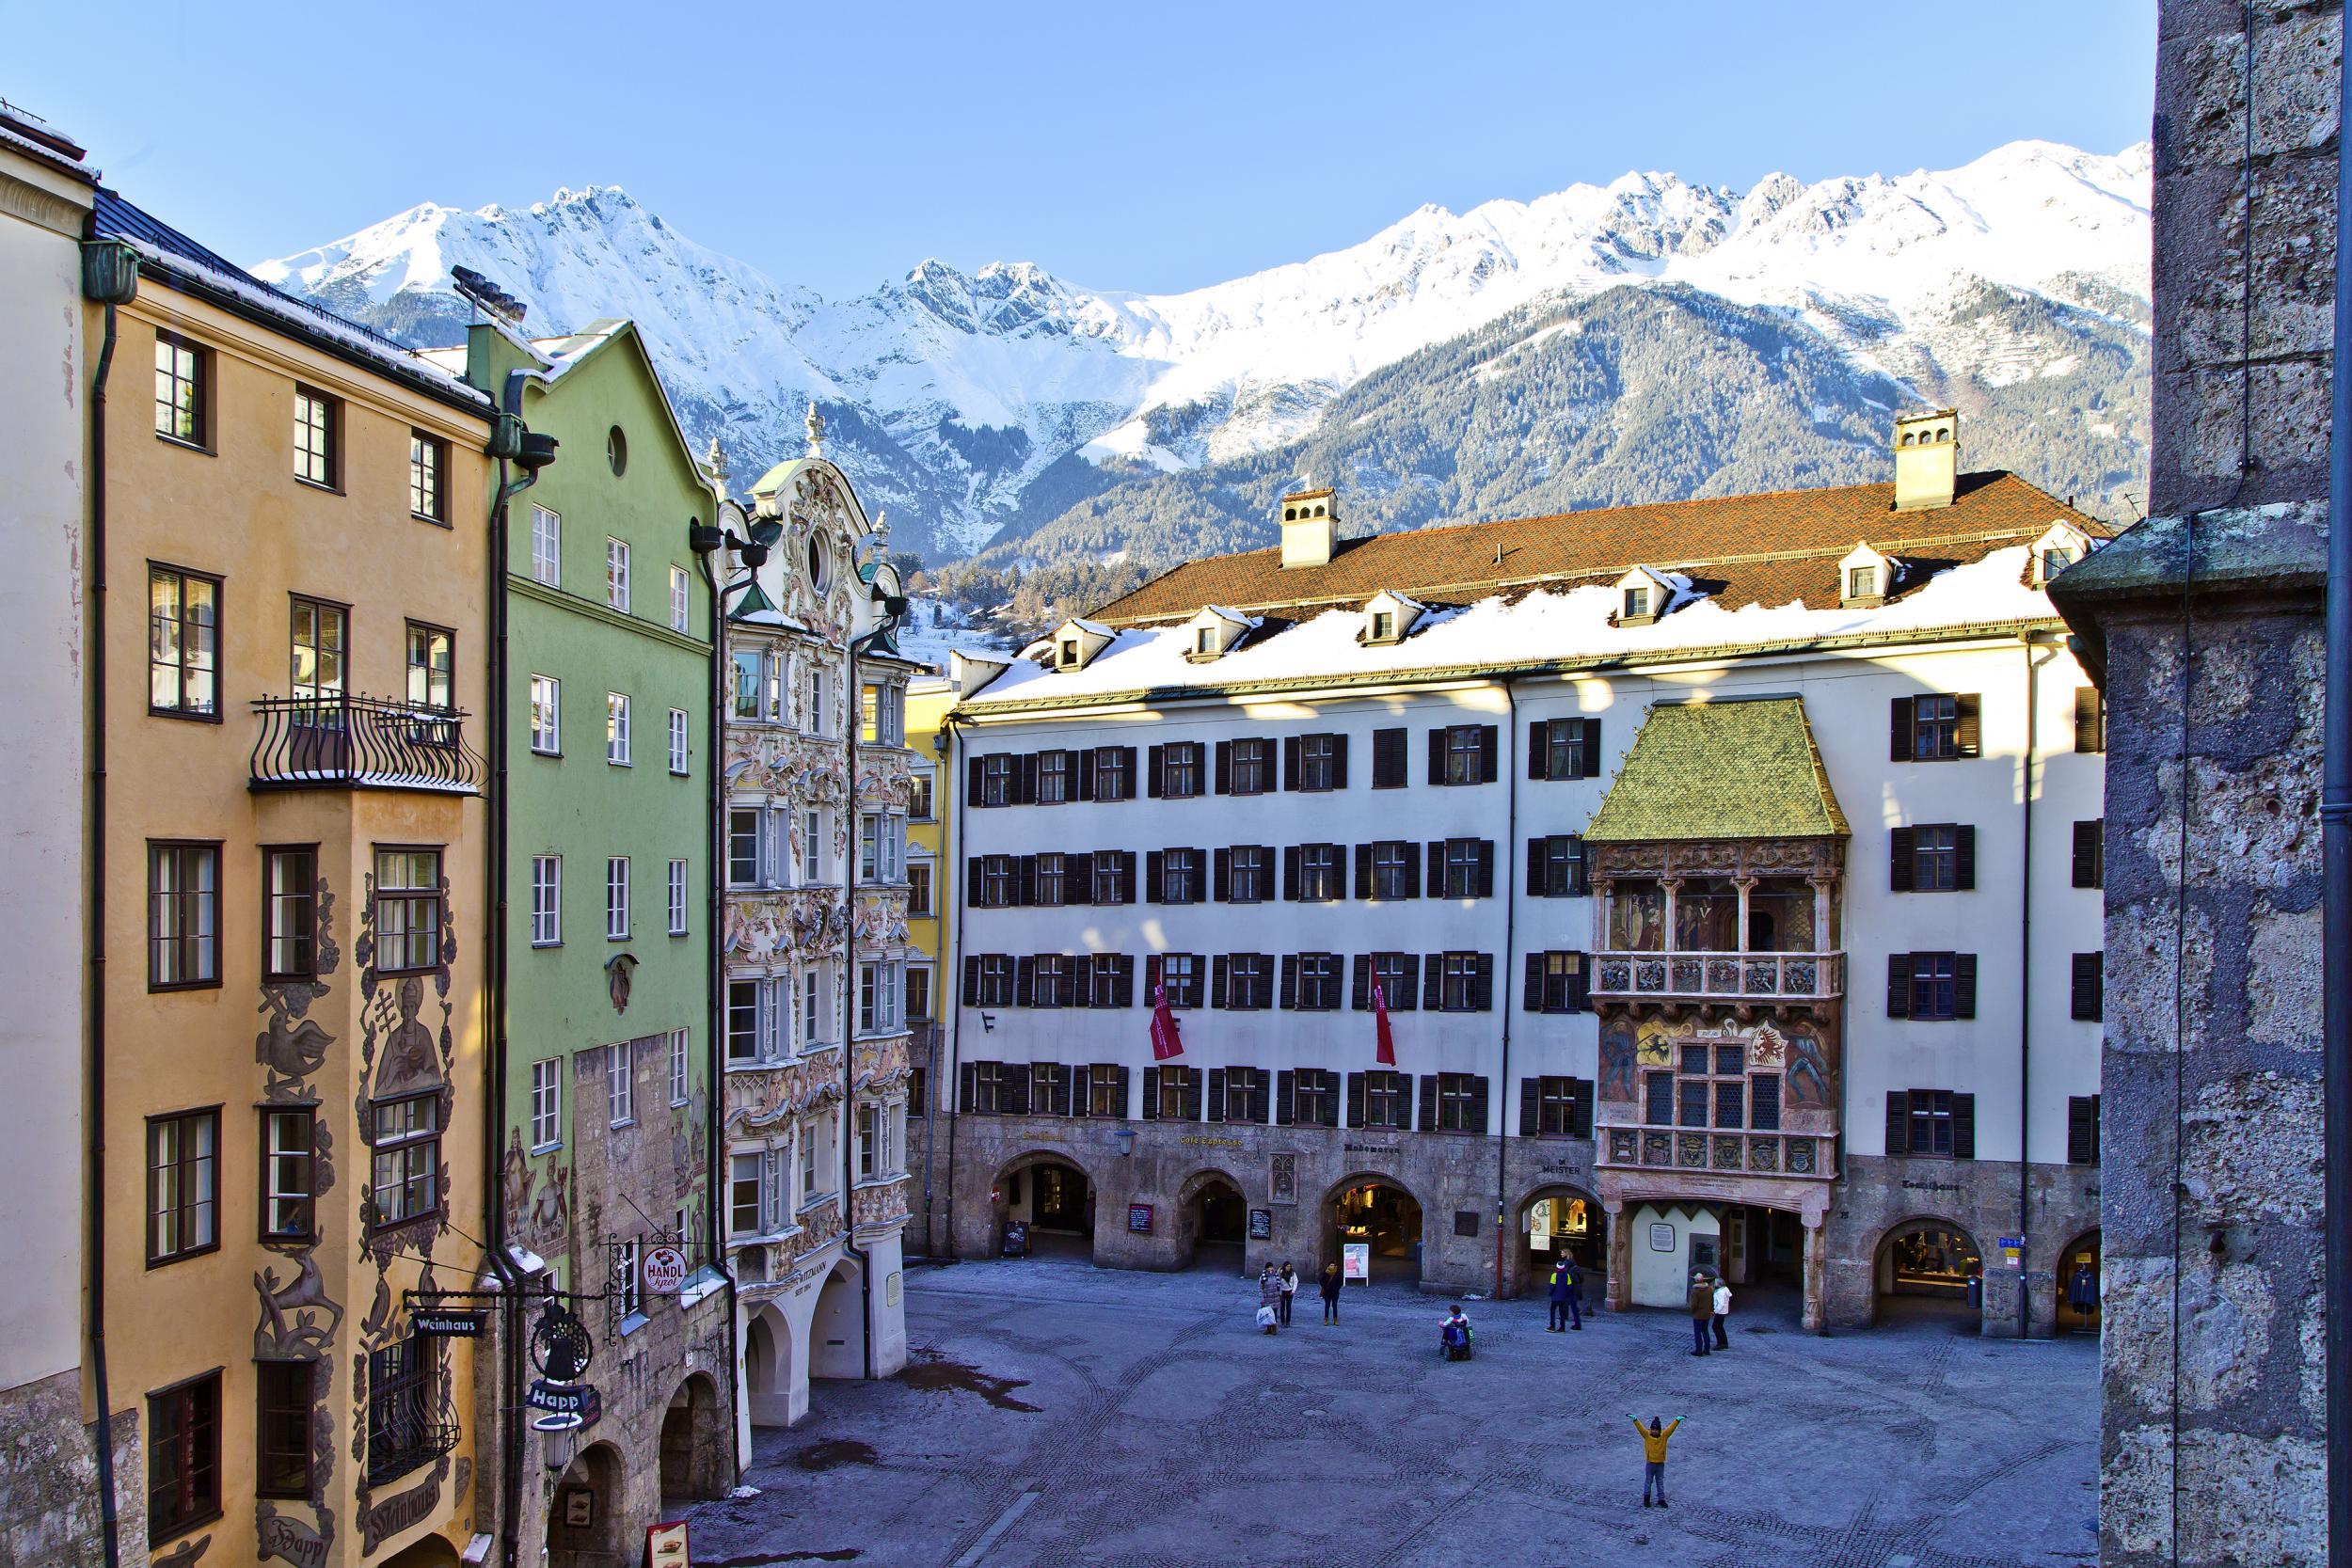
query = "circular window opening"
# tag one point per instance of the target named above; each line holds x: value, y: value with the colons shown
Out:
x: 820, y: 564
x: 617, y: 451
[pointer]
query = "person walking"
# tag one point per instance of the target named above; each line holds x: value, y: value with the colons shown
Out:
x: 1723, y: 1314
x: 1576, y: 1293
x: 1702, y: 1303
x: 1558, y: 1294
x: 1330, y: 1292
x: 1269, y: 1299
x: 1290, y: 1288
x: 1654, y: 1455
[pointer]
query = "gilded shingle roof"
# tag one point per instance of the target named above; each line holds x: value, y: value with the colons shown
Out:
x: 1771, y: 550
x: 1737, y: 769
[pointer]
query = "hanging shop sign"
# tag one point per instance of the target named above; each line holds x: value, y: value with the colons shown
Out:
x: 1261, y: 1225
x: 1139, y: 1218
x: 569, y: 1406
x: 665, y: 1546
x: 447, y: 1326
x: 1355, y: 1261
x: 560, y: 1345
x: 665, y: 1271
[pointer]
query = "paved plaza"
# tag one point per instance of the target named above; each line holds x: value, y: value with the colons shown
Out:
x: 1059, y: 1414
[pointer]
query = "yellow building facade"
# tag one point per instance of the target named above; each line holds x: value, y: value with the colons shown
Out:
x: 290, y: 648
x: 931, y: 933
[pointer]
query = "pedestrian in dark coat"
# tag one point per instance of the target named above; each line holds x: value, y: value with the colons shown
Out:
x: 1563, y: 1292
x: 1702, y: 1312
x: 1290, y: 1288
x: 1330, y: 1292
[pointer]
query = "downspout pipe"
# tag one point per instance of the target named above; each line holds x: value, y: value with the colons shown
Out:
x: 949, y: 1083
x: 2335, y: 830
x: 852, y: 717
x: 1510, y: 858
x: 713, y: 1023
x: 117, y: 285
x: 2025, y: 1004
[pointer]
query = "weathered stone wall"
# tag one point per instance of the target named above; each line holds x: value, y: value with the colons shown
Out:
x: 2206, y: 619
x: 1876, y: 1196
x: 49, y: 1492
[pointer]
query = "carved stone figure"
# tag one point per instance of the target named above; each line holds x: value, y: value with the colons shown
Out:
x: 291, y: 1047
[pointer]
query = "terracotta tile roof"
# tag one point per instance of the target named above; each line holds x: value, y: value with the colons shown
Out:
x: 1769, y: 549
x: 1720, y: 771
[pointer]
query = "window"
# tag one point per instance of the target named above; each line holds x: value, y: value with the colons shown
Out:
x: 677, y: 898
x: 182, y: 915
x: 1114, y: 773
x: 919, y: 994
x: 1252, y: 874
x: 1862, y: 582
x: 617, y: 898
x: 1248, y: 767
x: 997, y: 883
x: 1319, y: 981
x: 2090, y: 719
x: 1563, y: 1108
x: 546, y: 900
x: 1321, y: 759
x: 286, y: 1175
x: 546, y: 716
x: 743, y: 847
x: 407, y: 1171
x: 1322, y: 873
x: 919, y: 795
x: 546, y: 1103
x: 1181, y: 973
x: 1555, y: 867
x: 1172, y: 1093
x: 181, y: 376
x: 1180, y: 769
x: 679, y: 1066
x: 1931, y: 986
x: 625, y: 1289
x: 620, y: 1086
x: 1248, y: 980
x: 994, y: 984
x: 995, y: 776
x: 616, y: 728
x: 2089, y: 854
x: 1203, y: 640
x: 1053, y: 778
x: 1179, y: 877
x: 1394, y: 975
x: 407, y: 909
x: 546, y: 548
x: 1314, y: 1098
x: 681, y: 598
x: 1113, y: 873
x: 868, y: 1139
x: 184, y: 1457
x: 919, y: 889
x: 432, y: 667
x: 1387, y: 1099
x: 1393, y: 871
x: 1069, y: 652
x: 746, y: 1214
x: 314, y: 422
x: 284, y: 1392
x: 1764, y: 1103
x: 1244, y: 1094
x: 1565, y: 749
x: 1384, y: 625
x: 1052, y: 982
x: 1461, y: 1104
x: 816, y: 701
x: 289, y: 912
x: 1110, y: 981
x: 750, y: 669
x: 812, y: 846
x: 1636, y: 603
x: 401, y: 1402
x: 1934, y: 728
x: 617, y: 574
x: 1657, y: 1099
x: 743, y: 1016
x: 878, y: 997
x: 1933, y: 1124
x: 877, y: 849
x: 182, y: 1186
x: 808, y: 1160
x: 427, y: 456
x: 315, y: 651
x: 2086, y: 999
x: 1932, y: 857
x: 1556, y: 983
x: 1462, y: 754
x: 1106, y: 1091
x: 1463, y: 982
x: 1050, y: 881
x: 2056, y: 560
x: 677, y: 741
x: 2082, y: 1129
x: 183, y: 643
x: 1469, y: 868
x: 1388, y: 759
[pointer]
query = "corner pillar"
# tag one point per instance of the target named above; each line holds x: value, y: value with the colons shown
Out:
x: 1816, y: 1272
x: 1620, y: 1259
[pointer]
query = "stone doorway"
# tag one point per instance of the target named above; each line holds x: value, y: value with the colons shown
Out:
x: 1383, y: 1216
x: 584, y: 1525
x: 1930, y: 1269
x: 2079, y: 1285
x: 1217, y: 1220
x: 693, y: 1445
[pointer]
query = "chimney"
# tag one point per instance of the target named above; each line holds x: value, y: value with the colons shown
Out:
x: 1927, y: 459
x: 1311, y: 525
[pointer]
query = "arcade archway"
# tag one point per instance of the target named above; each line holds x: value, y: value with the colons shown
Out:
x: 1052, y: 1201
x: 1562, y: 1222
x: 1383, y: 1217
x: 768, y: 1367
x: 1930, y: 1269
x: 1217, y: 1221
x: 693, y: 1445
x: 584, y: 1527
x: 2079, y: 1285
x: 836, y: 1335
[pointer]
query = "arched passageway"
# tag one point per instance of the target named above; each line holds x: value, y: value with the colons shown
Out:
x: 1930, y: 1269
x: 836, y: 1335
x: 1382, y: 1217
x: 430, y: 1552
x: 1558, y: 1223
x: 584, y: 1527
x: 1215, y: 1221
x: 768, y: 1367
x: 1052, y: 1203
x: 693, y: 1444
x: 2079, y: 1285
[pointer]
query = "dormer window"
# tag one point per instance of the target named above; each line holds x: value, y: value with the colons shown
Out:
x: 1074, y: 642
x: 2060, y: 545
x: 1069, y: 650
x: 1389, y: 617
x: 2054, y: 561
x: 1204, y: 641
x: 1384, y: 625
x: 1637, y: 604
x: 1862, y: 582
x: 1864, y: 578
x: 1645, y: 594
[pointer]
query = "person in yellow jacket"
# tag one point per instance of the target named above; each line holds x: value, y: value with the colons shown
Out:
x: 1654, y: 1454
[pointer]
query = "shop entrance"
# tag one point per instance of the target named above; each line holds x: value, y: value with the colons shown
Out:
x: 2078, y: 1286
x: 1930, y: 1269
x: 1561, y: 1221
x: 1220, y: 1224
x: 585, y: 1529
x: 1383, y: 1217
x: 1053, y: 1204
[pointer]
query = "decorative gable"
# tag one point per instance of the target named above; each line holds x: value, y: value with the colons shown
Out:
x: 1866, y: 578
x: 1214, y: 630
x: 2058, y: 548
x: 1390, y: 618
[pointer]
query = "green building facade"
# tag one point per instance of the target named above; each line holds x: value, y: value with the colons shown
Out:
x: 607, y: 1061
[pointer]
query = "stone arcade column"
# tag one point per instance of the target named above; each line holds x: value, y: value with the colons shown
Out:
x: 1815, y: 1270
x: 1620, y: 1258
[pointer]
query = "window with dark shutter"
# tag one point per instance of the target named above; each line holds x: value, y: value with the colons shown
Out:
x: 2089, y: 854
x: 2087, y: 994
x: 2090, y: 719
x: 1388, y: 759
x: 1964, y: 1126
x: 1897, y: 1123
x: 2082, y: 1129
x: 1899, y: 985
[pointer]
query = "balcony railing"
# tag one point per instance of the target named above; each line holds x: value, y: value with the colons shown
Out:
x: 1691, y: 1149
x: 344, y: 742
x: 1767, y: 976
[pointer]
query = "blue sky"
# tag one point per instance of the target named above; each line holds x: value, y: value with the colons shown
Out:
x: 1137, y: 146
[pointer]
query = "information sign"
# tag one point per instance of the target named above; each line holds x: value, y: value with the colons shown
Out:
x: 1355, y: 1261
x: 1139, y: 1218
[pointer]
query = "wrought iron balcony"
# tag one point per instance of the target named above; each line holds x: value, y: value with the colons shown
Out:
x: 346, y: 742
x: 1691, y: 1149
x: 1727, y: 976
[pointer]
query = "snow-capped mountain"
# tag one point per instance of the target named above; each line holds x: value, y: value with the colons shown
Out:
x: 986, y: 405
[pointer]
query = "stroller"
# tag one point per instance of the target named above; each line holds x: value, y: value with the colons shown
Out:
x: 1453, y: 1339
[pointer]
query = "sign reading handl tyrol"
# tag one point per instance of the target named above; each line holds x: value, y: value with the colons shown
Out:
x: 665, y: 1271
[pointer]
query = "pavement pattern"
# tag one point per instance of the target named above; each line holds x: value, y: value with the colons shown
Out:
x: 1057, y: 1414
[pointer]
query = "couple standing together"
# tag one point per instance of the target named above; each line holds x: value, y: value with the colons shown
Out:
x: 1711, y: 1304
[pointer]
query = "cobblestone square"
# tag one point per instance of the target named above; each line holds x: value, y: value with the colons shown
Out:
x: 1060, y: 1413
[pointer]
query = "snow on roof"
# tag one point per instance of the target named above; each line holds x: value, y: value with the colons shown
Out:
x: 1233, y: 615
x: 1546, y: 628
x: 1097, y: 628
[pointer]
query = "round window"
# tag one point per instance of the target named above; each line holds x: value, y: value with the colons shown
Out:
x: 617, y: 451
x: 820, y: 564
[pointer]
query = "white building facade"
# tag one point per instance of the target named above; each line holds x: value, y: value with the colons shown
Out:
x: 1728, y: 871
x: 813, y: 1042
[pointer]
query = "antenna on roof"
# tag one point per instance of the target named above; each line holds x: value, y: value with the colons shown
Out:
x: 492, y: 299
